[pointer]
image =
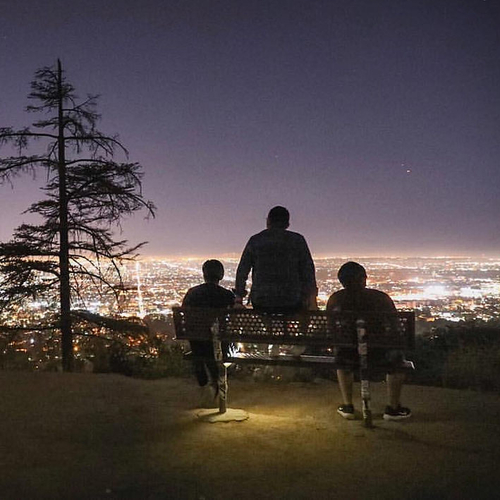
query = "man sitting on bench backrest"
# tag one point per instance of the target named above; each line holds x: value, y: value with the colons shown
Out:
x: 283, y: 275
x: 356, y: 297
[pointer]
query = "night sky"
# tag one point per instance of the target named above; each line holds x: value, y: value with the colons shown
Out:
x: 375, y: 122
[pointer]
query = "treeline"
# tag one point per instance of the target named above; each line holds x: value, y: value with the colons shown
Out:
x: 132, y: 346
x: 463, y: 355
x: 455, y: 355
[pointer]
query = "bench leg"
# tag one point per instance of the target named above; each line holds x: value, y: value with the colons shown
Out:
x: 365, y: 399
x: 222, y: 379
x: 364, y: 372
x: 222, y: 385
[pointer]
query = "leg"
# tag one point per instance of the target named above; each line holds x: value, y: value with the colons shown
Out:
x: 200, y: 372
x: 394, y: 387
x: 203, y: 364
x: 199, y: 352
x: 346, y: 379
x: 394, y: 410
x: 346, y: 360
x: 205, y: 350
x: 213, y: 370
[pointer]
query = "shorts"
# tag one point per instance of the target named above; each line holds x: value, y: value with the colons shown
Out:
x: 390, y: 360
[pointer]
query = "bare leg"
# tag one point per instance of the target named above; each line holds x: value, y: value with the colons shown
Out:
x: 394, y: 387
x: 346, y: 379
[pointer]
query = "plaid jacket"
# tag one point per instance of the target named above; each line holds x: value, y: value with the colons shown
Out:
x: 282, y: 268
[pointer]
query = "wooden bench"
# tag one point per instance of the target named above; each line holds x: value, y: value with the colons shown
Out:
x: 318, y: 330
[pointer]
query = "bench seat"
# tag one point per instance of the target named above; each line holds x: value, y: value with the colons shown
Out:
x: 255, y: 338
x: 312, y: 328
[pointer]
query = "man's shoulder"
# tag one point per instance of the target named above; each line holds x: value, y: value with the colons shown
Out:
x: 258, y: 236
x: 196, y: 290
x: 293, y: 238
x: 206, y: 295
x: 367, y: 298
x: 296, y: 236
x: 335, y: 299
x: 376, y: 293
x: 276, y: 233
x: 210, y: 289
x: 379, y: 299
x: 225, y: 291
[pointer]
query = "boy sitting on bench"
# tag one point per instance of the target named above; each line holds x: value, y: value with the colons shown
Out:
x: 209, y: 295
x: 356, y: 297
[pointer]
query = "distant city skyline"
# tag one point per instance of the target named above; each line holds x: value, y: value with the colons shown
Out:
x: 452, y: 289
x: 235, y: 256
x: 375, y: 123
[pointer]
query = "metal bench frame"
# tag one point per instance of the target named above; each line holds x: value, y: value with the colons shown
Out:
x: 363, y: 331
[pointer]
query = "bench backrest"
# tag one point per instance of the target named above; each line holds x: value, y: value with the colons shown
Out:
x: 387, y: 330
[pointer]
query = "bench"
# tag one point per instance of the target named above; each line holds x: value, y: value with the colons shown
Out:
x: 320, y: 331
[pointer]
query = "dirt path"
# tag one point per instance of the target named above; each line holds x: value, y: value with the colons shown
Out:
x: 89, y: 436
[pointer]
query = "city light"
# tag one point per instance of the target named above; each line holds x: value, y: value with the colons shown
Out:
x: 437, y: 289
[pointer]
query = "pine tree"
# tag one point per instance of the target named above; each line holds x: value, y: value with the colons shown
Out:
x: 87, y: 195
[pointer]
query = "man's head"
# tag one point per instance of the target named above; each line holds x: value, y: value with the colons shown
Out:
x: 213, y: 271
x: 352, y: 274
x: 278, y: 217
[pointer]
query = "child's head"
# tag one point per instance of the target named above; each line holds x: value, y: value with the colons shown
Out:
x: 213, y: 271
x: 352, y: 274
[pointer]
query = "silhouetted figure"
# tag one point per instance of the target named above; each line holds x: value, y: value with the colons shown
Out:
x: 283, y: 274
x: 210, y: 295
x: 357, y: 298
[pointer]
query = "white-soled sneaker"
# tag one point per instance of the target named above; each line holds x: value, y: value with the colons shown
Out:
x: 399, y: 413
x: 346, y: 411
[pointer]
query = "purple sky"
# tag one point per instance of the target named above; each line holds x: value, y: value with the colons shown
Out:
x: 322, y: 106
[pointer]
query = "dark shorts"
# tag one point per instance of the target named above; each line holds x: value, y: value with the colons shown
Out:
x: 205, y: 349
x: 390, y: 360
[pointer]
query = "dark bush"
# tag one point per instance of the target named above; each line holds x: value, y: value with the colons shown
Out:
x: 463, y: 356
x: 473, y: 367
x: 168, y: 363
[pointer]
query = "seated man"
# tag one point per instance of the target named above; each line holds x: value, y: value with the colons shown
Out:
x: 210, y: 295
x: 356, y: 297
x: 283, y: 274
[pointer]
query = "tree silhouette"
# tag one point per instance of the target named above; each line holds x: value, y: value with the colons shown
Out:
x: 87, y: 195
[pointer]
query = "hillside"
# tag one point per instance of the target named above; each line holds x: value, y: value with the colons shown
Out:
x: 92, y: 436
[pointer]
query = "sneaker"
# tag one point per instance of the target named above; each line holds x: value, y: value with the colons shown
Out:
x: 346, y: 411
x: 399, y: 413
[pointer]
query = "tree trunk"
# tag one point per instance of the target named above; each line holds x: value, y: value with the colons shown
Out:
x: 64, y: 287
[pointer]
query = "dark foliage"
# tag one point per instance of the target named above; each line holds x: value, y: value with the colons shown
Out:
x: 461, y: 356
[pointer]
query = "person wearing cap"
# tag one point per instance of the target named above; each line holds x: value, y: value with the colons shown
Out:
x: 283, y: 273
x: 211, y: 295
x: 356, y: 297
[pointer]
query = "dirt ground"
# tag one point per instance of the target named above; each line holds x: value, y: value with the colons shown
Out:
x: 87, y: 436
